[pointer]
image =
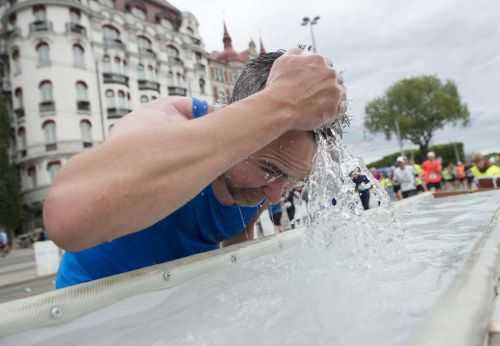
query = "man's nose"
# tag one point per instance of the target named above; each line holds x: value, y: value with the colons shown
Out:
x: 274, y: 190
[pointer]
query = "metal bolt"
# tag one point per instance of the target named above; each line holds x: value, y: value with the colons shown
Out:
x: 234, y: 259
x: 166, y: 276
x: 56, y: 312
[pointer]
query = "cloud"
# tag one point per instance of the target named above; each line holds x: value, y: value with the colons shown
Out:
x: 375, y: 43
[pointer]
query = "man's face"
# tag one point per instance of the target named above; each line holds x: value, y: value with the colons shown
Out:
x: 271, y: 171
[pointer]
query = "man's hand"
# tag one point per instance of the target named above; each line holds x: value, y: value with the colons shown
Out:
x: 308, y: 86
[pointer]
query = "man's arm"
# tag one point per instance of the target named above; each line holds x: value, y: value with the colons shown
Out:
x: 153, y: 164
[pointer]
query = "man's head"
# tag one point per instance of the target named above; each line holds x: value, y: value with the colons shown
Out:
x: 401, y: 161
x: 280, y: 165
x: 431, y: 155
x: 480, y: 161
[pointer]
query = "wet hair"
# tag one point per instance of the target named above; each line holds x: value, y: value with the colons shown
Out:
x: 253, y: 79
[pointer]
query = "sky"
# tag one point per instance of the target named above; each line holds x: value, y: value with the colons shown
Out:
x: 376, y: 43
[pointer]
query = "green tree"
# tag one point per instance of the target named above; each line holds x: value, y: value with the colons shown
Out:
x: 10, y: 195
x: 420, y: 106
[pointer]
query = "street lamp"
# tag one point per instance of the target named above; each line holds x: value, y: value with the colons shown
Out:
x: 311, y: 22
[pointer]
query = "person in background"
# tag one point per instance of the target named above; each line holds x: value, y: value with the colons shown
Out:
x: 405, y: 175
x: 363, y: 186
x: 275, y: 213
x: 460, y: 176
x: 469, y: 177
x: 483, y: 167
x: 396, y: 185
x: 289, y: 204
x: 448, y: 175
x: 432, y: 172
x: 376, y: 173
x: 386, y: 183
x: 4, y: 242
x: 419, y: 181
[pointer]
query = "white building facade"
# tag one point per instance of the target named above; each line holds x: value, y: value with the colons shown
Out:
x: 70, y: 69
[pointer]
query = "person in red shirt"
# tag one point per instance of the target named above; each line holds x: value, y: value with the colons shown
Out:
x: 460, y: 175
x: 432, y: 172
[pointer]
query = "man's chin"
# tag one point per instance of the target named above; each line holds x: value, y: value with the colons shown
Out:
x: 244, y: 202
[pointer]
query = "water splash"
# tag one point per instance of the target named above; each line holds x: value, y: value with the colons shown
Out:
x: 358, y: 237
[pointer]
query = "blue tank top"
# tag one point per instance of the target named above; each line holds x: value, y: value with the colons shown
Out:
x: 198, y: 226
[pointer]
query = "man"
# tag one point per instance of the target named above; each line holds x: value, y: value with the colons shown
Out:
x: 405, y: 175
x: 275, y: 214
x: 432, y: 172
x: 362, y: 186
x: 4, y: 242
x: 172, y: 181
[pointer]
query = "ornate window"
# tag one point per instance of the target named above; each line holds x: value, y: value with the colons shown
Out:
x: 118, y: 65
x: 40, y: 13
x: 46, y: 92
x: 82, y: 92
x: 32, y: 176
x: 138, y: 12
x: 144, y: 43
x: 53, y: 168
x: 49, y: 130
x: 17, y: 62
x: 110, y: 33
x: 172, y: 51
x: 78, y: 55
x: 43, y: 52
x: 122, y: 102
x: 141, y: 72
x: 110, y: 99
x: 75, y: 16
x: 106, y: 64
x: 86, y: 131
x: 21, y: 138
x: 151, y: 72
x: 18, y: 98
x: 202, y: 85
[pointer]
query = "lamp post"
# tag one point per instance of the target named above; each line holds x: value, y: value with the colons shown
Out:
x: 311, y: 22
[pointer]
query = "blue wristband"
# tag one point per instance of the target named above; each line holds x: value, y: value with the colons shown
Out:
x: 200, y: 108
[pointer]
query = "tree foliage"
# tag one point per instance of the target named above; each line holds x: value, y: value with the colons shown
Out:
x: 448, y: 152
x: 10, y: 195
x: 420, y: 105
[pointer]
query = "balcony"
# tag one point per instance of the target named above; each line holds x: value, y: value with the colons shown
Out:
x: 148, y: 85
x: 19, y: 112
x: 47, y: 107
x: 114, y: 43
x: 83, y: 106
x: 51, y: 147
x: 196, y: 41
x: 76, y: 28
x: 176, y: 60
x: 177, y: 91
x: 200, y: 67
x: 147, y: 53
x: 110, y: 77
x: 115, y: 113
x: 40, y: 26
x: 46, y: 150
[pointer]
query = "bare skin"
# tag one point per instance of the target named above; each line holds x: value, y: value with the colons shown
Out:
x: 156, y: 160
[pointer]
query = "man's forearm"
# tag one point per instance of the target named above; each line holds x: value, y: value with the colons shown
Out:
x: 140, y: 176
